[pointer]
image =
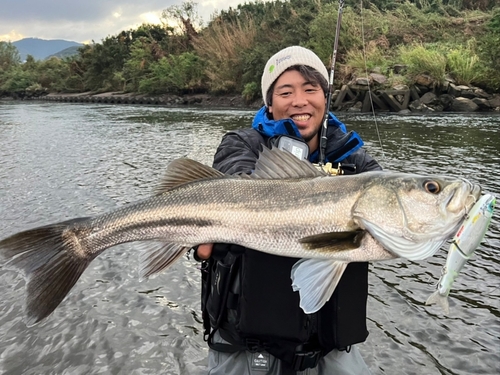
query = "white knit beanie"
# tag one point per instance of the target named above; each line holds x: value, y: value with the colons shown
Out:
x: 286, y: 58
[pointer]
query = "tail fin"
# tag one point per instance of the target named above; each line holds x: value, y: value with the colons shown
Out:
x: 52, y: 263
x: 441, y: 300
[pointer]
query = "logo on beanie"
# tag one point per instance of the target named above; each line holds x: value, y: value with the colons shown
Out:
x: 271, y: 68
x: 281, y: 59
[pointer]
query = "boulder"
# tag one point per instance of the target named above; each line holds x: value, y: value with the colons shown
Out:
x: 468, y: 93
x: 428, y: 97
x: 483, y: 104
x: 424, y: 80
x: 430, y: 102
x: 401, y: 87
x: 494, y: 101
x: 362, y: 81
x: 416, y: 106
x: 480, y: 93
x: 463, y: 105
x: 421, y: 90
x: 378, y: 78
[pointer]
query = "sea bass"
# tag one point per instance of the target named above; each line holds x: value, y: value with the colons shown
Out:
x: 286, y: 207
x: 466, y: 240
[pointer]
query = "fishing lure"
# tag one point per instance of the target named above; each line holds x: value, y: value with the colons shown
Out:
x: 468, y: 237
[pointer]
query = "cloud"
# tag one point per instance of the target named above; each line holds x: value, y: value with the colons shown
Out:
x: 83, y: 21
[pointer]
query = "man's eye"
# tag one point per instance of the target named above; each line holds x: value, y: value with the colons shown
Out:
x: 286, y: 93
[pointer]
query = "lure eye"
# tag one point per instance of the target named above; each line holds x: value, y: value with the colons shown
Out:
x: 432, y: 187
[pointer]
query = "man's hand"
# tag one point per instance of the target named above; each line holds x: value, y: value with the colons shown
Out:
x: 205, y: 250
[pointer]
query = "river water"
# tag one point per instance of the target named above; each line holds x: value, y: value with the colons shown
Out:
x: 61, y: 160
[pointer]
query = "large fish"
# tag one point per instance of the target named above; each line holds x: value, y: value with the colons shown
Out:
x: 286, y: 207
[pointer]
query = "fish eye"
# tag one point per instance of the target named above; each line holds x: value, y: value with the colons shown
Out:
x: 432, y: 187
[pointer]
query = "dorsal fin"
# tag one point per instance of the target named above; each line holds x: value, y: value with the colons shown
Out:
x: 182, y: 171
x: 275, y: 163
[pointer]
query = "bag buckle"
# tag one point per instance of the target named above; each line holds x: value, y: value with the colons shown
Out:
x: 305, y: 360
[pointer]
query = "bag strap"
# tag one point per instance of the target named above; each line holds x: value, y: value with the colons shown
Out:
x: 209, y: 331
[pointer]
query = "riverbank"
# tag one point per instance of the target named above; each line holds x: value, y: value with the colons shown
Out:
x: 201, y: 100
x: 360, y: 95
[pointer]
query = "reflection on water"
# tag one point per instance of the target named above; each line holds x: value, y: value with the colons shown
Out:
x: 59, y: 161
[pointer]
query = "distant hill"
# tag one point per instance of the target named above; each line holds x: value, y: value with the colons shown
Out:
x: 67, y: 52
x: 41, y: 48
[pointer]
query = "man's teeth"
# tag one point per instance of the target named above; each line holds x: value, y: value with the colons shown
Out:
x: 301, y: 117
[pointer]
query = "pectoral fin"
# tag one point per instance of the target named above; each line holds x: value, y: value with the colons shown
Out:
x: 316, y: 280
x: 334, y: 241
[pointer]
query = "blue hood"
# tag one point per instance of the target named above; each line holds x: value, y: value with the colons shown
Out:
x: 271, y: 128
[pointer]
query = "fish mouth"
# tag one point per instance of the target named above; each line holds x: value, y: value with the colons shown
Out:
x: 462, y: 200
x: 473, y: 193
x: 473, y: 196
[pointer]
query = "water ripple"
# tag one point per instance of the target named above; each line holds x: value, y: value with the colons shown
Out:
x: 59, y: 161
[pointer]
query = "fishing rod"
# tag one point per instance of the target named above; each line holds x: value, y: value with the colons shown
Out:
x: 323, y: 138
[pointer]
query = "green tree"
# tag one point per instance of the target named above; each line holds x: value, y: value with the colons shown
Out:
x: 17, y: 80
x: 142, y: 54
x: 175, y: 74
x: 53, y: 74
x: 9, y: 56
x: 104, y: 60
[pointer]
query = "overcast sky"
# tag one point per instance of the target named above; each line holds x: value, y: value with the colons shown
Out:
x: 86, y: 20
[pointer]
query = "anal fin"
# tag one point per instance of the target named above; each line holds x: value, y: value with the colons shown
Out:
x: 157, y: 256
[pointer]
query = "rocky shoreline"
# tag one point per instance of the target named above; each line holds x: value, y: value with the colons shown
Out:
x: 367, y: 94
x: 359, y: 95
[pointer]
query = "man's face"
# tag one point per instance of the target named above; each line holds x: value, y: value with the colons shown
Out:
x: 298, y: 99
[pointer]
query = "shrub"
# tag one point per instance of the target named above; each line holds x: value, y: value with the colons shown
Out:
x: 251, y: 91
x: 463, y: 65
x: 176, y: 74
x: 364, y: 61
x: 424, y: 60
x: 17, y: 80
x: 222, y: 46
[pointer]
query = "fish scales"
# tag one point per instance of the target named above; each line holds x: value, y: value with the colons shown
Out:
x: 187, y: 217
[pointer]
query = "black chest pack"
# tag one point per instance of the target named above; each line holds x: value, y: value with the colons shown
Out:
x: 247, y: 297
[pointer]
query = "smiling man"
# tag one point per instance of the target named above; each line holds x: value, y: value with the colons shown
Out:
x: 252, y: 319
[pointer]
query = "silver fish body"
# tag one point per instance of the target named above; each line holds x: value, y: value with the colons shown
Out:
x: 287, y: 207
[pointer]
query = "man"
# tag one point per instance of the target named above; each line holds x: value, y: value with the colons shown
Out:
x: 253, y: 322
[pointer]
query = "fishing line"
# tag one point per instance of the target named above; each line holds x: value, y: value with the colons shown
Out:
x: 368, y: 78
x: 323, y: 138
